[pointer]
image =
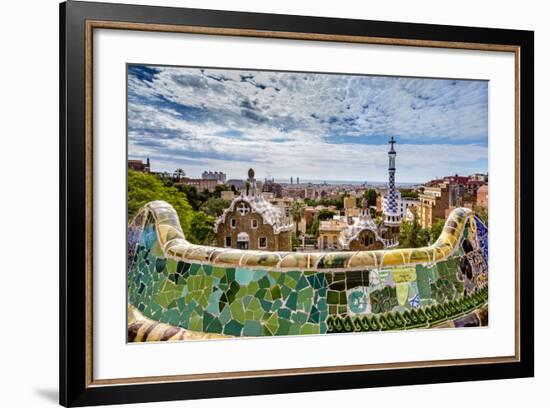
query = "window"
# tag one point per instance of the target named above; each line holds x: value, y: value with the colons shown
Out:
x: 228, y: 241
x: 233, y: 223
x: 254, y: 223
x: 243, y: 209
x: 262, y: 242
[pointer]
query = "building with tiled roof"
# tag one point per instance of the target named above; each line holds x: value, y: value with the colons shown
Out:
x: 482, y: 197
x: 252, y: 222
x: 138, y: 165
x: 362, y: 235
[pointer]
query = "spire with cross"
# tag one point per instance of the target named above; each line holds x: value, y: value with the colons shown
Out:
x: 392, y: 142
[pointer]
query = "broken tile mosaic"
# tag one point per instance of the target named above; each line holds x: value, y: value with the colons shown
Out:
x: 181, y: 291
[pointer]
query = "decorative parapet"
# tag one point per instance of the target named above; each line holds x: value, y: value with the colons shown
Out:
x: 174, y: 245
x: 254, y: 293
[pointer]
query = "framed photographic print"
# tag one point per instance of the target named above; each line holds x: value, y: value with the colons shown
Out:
x: 256, y: 203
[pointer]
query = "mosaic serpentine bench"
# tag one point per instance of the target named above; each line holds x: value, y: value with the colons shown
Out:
x: 230, y: 292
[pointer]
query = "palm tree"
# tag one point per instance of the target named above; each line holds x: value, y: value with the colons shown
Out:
x: 179, y: 174
x: 297, y: 209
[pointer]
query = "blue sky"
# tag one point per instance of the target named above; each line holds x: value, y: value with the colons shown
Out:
x: 307, y: 125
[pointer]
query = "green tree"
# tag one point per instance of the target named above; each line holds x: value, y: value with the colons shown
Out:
x: 297, y: 209
x: 144, y: 187
x: 436, y: 229
x: 325, y: 215
x: 423, y: 237
x: 296, y: 242
x: 202, y: 229
x: 192, y: 195
x: 218, y: 190
x: 214, y: 206
x: 197, y: 226
x: 407, y: 193
x: 314, y: 227
x: 412, y: 235
x: 482, y: 213
x: 370, y: 195
x: 338, y: 202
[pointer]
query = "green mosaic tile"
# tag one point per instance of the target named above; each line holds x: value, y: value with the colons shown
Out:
x: 284, y: 327
x: 291, y: 301
x: 233, y: 328
x: 284, y: 313
x: 309, y: 328
x: 218, y: 272
x: 264, y: 282
x: 333, y: 297
x: 244, y: 276
x: 242, y: 301
x: 237, y: 310
x: 266, y: 305
x: 252, y: 328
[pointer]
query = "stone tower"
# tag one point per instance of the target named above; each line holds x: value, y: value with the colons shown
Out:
x: 392, y: 217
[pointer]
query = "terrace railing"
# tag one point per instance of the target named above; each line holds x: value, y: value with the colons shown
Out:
x: 253, y: 293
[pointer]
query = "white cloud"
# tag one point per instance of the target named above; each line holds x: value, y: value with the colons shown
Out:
x: 314, y: 126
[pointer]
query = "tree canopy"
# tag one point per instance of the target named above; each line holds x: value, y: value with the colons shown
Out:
x: 338, y: 202
x: 313, y: 229
x: 325, y: 215
x: 408, y: 193
x: 214, y: 206
x: 143, y: 188
x: 482, y: 213
x: 370, y: 196
x: 412, y: 235
x: 436, y: 229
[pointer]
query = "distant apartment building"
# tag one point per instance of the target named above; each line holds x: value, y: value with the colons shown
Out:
x: 482, y: 197
x: 456, y: 193
x: 270, y: 186
x: 296, y: 192
x: 462, y: 189
x: 350, y: 202
x: 227, y: 195
x: 220, y: 177
x: 199, y: 184
x: 480, y: 177
x: 283, y: 203
x: 309, y: 215
x: 329, y: 233
x: 138, y: 165
x: 474, y: 185
x: 456, y: 179
x: 350, y: 207
x: 432, y: 204
x: 313, y: 192
x: 379, y: 203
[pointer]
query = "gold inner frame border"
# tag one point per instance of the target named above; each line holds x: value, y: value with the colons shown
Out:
x: 118, y: 25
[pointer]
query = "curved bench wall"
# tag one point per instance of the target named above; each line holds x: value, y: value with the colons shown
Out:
x: 255, y: 293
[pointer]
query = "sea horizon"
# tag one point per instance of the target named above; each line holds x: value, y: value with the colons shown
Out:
x: 345, y: 182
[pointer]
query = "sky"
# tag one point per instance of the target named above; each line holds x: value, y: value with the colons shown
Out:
x: 315, y: 126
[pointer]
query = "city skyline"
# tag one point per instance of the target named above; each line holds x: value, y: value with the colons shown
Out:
x: 318, y: 181
x: 312, y: 126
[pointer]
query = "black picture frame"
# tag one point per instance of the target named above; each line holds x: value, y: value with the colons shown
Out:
x: 76, y: 385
